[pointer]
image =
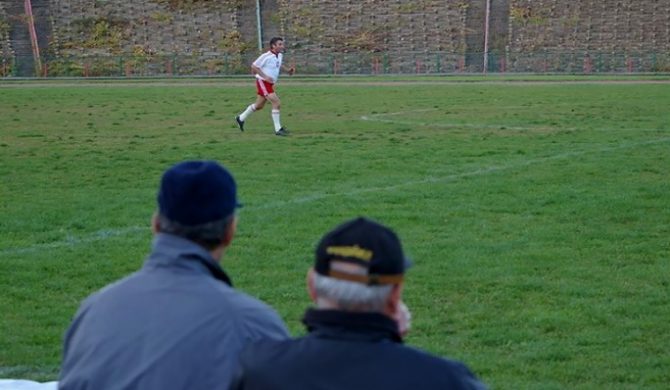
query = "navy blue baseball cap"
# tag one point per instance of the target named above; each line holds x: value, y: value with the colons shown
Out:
x: 364, y: 251
x: 196, y: 192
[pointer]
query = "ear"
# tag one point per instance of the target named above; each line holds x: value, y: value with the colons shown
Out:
x: 230, y: 233
x: 155, y: 226
x: 394, y: 299
x: 311, y: 289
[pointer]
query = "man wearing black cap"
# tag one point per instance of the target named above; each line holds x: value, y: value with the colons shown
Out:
x: 177, y: 323
x: 354, y: 339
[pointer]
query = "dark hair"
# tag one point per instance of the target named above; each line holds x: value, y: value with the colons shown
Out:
x: 209, y: 235
x: 275, y: 40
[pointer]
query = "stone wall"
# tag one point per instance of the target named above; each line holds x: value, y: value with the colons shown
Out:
x: 205, y: 35
x: 616, y: 35
x: 4, y: 29
x: 323, y: 35
x: 6, y: 51
x: 590, y: 25
x: 362, y: 36
x: 116, y: 26
x: 400, y: 34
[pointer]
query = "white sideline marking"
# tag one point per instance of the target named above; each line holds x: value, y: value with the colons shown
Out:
x: 378, y: 118
x: 107, y: 233
x: 449, y: 178
x: 70, y: 241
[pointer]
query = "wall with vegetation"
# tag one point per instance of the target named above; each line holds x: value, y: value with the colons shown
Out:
x: 609, y: 34
x: 399, y: 29
x: 355, y: 36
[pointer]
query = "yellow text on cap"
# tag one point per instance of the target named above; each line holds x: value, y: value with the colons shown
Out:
x: 350, y: 251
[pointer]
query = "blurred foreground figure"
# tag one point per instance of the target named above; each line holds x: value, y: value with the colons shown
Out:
x: 177, y: 323
x: 354, y: 339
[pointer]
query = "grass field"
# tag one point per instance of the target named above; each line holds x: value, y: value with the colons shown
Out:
x: 537, y: 213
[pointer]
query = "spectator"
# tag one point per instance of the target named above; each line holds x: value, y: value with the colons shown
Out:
x: 353, y: 340
x: 177, y: 323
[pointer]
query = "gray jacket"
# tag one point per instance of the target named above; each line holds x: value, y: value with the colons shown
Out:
x: 175, y: 324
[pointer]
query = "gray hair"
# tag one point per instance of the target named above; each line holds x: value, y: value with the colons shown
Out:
x: 209, y: 234
x: 351, y: 296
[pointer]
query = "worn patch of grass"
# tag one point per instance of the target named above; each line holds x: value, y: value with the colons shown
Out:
x: 537, y: 214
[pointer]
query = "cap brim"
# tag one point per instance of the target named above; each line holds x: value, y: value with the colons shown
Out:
x: 408, y: 263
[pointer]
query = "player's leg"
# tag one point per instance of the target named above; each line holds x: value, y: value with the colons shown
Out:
x: 257, y: 105
x: 276, y: 104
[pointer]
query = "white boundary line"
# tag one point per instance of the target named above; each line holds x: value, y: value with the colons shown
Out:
x: 71, y: 241
x: 378, y: 118
x: 104, y: 234
x: 453, y: 177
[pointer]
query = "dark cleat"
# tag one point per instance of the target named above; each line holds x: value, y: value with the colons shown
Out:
x: 282, y: 132
x: 240, y: 123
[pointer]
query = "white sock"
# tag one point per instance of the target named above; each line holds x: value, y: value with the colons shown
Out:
x: 275, y: 119
x: 247, y: 112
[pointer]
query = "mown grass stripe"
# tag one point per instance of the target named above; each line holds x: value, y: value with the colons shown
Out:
x: 104, y: 234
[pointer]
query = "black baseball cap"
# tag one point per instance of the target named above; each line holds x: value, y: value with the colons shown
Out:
x: 364, y: 251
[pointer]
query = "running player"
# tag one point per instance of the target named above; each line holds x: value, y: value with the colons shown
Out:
x: 266, y: 68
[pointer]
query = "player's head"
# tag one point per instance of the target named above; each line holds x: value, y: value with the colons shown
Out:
x: 277, y: 44
x: 197, y: 201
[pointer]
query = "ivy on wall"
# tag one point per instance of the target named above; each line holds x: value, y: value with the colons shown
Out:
x: 526, y: 16
x: 232, y: 43
x: 187, y: 5
x: 4, y: 27
x: 99, y: 33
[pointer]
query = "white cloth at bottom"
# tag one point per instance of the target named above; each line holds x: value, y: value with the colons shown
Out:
x: 21, y: 384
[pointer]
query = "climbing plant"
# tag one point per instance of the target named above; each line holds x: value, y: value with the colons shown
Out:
x: 99, y: 33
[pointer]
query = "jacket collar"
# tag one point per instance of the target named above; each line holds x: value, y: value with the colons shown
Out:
x: 351, y: 326
x: 174, y: 251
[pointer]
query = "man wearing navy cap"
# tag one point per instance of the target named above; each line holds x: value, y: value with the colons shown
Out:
x: 177, y: 323
x: 354, y: 339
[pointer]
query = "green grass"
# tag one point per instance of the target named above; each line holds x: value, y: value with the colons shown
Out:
x: 537, y: 214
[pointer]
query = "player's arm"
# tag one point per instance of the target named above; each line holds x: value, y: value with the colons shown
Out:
x: 288, y: 69
x: 256, y: 70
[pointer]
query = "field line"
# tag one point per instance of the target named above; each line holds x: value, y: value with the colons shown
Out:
x: 379, y: 118
x: 71, y: 241
x: 108, y: 233
x: 456, y: 176
x: 382, y: 118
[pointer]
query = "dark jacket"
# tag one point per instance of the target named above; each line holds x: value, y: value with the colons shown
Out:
x: 175, y: 324
x: 348, y: 351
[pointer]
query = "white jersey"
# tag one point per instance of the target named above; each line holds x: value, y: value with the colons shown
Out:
x: 270, y: 64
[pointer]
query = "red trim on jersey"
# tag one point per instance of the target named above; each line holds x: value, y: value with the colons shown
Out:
x: 263, y: 88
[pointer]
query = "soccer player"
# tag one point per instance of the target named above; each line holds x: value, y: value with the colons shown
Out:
x: 266, y: 68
